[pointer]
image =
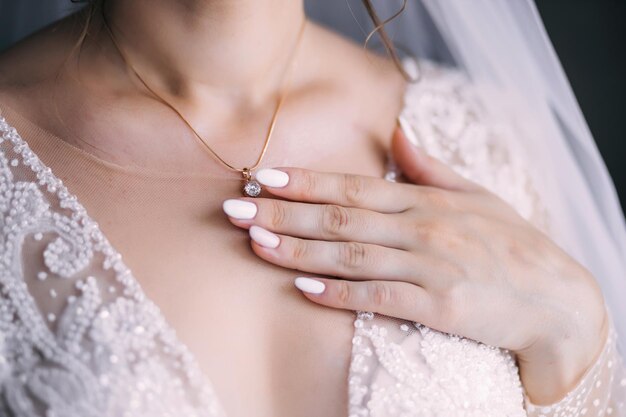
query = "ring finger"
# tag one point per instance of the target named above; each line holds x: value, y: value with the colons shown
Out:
x: 351, y: 260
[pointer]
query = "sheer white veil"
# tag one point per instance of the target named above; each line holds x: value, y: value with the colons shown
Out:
x: 504, y: 43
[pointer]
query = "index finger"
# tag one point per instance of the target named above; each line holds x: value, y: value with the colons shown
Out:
x: 348, y: 190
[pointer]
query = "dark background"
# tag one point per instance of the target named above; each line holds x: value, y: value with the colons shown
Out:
x: 590, y: 38
x: 588, y: 35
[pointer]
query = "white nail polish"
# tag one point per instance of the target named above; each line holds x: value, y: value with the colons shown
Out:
x: 239, y: 209
x: 264, y: 237
x: 272, y: 177
x: 310, y: 285
x: 408, y: 131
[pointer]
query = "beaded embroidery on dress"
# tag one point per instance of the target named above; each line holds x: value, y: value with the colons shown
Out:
x: 95, y: 345
x: 79, y: 338
x: 402, y: 368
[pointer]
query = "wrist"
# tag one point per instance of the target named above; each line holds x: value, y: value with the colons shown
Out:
x: 557, y: 360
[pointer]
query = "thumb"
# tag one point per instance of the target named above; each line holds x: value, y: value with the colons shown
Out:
x: 421, y: 168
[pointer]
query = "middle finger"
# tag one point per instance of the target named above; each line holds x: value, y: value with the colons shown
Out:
x: 320, y: 221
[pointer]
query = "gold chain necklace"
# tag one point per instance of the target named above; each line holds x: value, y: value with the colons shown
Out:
x: 251, y: 187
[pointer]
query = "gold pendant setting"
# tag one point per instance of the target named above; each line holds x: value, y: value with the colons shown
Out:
x: 251, y: 187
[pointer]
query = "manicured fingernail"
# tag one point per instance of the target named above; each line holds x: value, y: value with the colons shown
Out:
x: 264, y: 237
x: 239, y: 209
x: 272, y: 177
x: 408, y: 131
x: 310, y: 285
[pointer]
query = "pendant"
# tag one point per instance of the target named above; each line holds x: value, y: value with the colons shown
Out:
x: 251, y: 187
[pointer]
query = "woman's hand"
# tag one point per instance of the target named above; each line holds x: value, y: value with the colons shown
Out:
x: 444, y: 252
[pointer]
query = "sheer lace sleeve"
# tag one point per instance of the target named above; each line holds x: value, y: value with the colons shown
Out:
x: 600, y: 392
x: 480, y: 133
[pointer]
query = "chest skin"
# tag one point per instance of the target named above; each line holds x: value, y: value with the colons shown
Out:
x: 266, y: 349
x: 253, y: 334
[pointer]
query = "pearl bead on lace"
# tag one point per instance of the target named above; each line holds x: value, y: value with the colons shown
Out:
x: 105, y: 349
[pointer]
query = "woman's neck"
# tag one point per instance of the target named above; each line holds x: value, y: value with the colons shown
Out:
x: 236, y: 49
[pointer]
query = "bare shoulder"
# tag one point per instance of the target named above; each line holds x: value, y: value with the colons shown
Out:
x: 371, y: 79
x: 350, y: 60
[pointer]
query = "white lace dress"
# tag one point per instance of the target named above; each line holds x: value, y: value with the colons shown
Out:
x: 111, y: 353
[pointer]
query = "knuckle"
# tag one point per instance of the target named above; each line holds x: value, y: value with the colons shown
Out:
x: 352, y: 255
x: 460, y: 239
x: 308, y: 183
x: 379, y: 294
x: 300, y: 249
x: 278, y: 214
x: 428, y: 232
x: 335, y: 219
x: 353, y: 188
x: 467, y: 229
x: 344, y: 293
x: 439, y: 198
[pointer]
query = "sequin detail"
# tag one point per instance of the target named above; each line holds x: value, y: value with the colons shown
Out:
x: 96, y: 346
x: 90, y: 352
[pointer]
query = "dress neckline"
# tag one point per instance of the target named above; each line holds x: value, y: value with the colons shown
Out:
x: 133, y: 290
x: 197, y: 377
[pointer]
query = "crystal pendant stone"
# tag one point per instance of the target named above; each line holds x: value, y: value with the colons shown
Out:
x: 252, y: 188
